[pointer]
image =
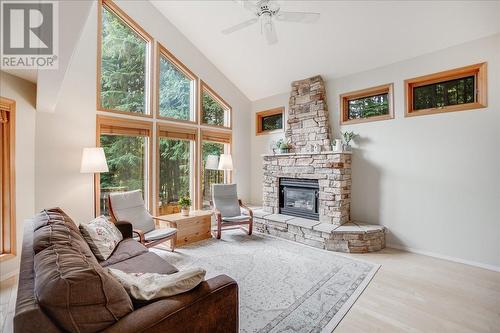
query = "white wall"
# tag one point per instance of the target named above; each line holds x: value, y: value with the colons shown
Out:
x: 433, y: 180
x: 24, y: 93
x: 62, y: 135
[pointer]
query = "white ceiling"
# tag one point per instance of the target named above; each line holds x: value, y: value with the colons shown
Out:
x: 350, y: 37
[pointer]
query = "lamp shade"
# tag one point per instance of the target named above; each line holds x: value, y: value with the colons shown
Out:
x: 226, y: 162
x: 93, y: 161
x: 212, y: 162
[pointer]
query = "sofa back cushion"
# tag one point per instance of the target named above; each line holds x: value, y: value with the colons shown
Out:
x: 70, y: 285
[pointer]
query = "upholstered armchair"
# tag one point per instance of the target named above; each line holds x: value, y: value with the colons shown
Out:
x: 129, y: 206
x: 229, y: 211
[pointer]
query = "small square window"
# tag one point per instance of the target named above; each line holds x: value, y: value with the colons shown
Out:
x: 269, y: 121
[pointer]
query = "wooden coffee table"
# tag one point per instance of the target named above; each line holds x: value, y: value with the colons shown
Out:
x: 190, y: 229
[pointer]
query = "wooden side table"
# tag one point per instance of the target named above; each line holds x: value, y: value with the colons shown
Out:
x: 190, y: 229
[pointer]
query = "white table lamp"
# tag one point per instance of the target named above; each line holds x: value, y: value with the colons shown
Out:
x: 212, y: 162
x: 93, y: 161
x: 226, y: 162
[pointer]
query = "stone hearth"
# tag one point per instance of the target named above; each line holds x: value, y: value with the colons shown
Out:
x: 308, y: 131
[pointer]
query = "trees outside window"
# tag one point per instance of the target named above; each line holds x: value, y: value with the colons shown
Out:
x: 214, y: 111
x: 124, y: 65
x: 368, y: 104
x: 210, y: 176
x: 175, y: 174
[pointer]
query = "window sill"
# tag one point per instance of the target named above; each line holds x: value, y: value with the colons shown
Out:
x: 445, y: 109
x: 281, y: 130
x: 366, y: 120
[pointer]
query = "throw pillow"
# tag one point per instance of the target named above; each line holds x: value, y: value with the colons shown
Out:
x: 148, y: 286
x: 102, y: 236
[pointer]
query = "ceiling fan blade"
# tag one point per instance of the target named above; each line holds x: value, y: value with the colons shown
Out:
x: 240, y: 26
x: 303, y: 17
x: 270, y: 32
x: 248, y: 5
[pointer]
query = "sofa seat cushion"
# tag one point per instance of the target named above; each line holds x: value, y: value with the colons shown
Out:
x: 158, y: 234
x: 77, y: 293
x: 126, y: 249
x: 148, y: 262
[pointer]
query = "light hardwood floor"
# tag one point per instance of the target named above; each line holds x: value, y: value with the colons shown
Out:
x: 409, y: 293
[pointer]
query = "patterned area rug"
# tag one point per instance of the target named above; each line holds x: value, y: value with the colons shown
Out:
x: 283, y: 286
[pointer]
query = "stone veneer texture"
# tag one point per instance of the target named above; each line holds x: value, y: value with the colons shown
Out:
x: 333, y: 171
x: 307, y: 125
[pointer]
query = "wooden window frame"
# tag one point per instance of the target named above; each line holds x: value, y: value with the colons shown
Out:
x: 163, y: 52
x: 126, y: 125
x: 259, y: 116
x: 8, y: 176
x: 205, y: 88
x: 381, y: 89
x: 217, y: 136
x: 112, y: 7
x: 479, y: 71
x: 178, y: 133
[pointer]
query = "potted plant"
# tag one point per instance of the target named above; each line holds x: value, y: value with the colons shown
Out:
x: 184, y: 203
x: 283, y: 146
x: 348, y: 136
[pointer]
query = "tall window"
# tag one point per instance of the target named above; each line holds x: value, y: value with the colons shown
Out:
x: 454, y: 90
x: 124, y: 63
x: 367, y: 105
x: 7, y: 179
x: 126, y: 145
x: 214, y: 111
x: 176, y: 159
x: 177, y: 87
x: 213, y: 145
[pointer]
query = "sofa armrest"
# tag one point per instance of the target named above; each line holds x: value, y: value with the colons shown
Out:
x: 210, y: 307
x: 125, y: 228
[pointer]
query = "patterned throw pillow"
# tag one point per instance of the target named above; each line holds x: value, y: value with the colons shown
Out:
x: 102, y: 236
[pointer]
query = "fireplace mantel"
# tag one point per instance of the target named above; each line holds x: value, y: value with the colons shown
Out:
x: 306, y: 153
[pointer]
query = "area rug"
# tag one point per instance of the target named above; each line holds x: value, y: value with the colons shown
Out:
x: 283, y: 286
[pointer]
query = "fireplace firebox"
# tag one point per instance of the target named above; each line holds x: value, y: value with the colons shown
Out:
x: 299, y: 197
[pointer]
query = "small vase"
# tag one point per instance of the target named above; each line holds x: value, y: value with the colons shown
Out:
x: 346, y: 147
x: 185, y: 211
x: 284, y: 150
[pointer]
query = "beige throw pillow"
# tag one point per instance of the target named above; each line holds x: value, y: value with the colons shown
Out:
x: 102, y: 236
x: 148, y: 286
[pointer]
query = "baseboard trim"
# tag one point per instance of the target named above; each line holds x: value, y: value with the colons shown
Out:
x: 441, y: 256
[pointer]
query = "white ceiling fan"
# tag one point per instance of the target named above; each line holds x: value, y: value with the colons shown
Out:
x: 266, y: 11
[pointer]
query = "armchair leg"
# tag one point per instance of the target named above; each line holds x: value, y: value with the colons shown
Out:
x: 173, y: 240
x: 250, y: 227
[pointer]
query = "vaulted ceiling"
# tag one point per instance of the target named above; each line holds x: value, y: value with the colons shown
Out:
x: 350, y: 37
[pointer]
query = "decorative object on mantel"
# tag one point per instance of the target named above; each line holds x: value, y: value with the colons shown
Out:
x: 283, y: 146
x: 184, y: 203
x: 337, y: 145
x: 348, y: 136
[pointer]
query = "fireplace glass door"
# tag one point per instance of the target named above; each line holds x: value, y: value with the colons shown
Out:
x: 299, y: 197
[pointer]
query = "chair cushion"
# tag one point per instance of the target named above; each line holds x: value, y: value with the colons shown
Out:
x: 239, y: 218
x: 148, y: 262
x: 76, y: 292
x: 225, y: 199
x: 102, y: 236
x: 149, y: 286
x: 158, y: 234
x: 126, y: 249
x: 129, y: 206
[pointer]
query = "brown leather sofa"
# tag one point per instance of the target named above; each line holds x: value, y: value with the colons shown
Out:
x: 63, y: 287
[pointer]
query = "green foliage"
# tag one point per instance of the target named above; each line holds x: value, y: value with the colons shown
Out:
x: 184, y: 201
x: 125, y: 157
x: 123, y: 66
x: 175, y: 92
x: 348, y: 136
x: 175, y: 169
x: 368, y: 106
x: 209, y: 177
x: 283, y: 144
x: 213, y: 112
x: 273, y: 122
x: 441, y: 94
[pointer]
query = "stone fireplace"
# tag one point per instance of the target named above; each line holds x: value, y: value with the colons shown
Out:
x: 307, y: 193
